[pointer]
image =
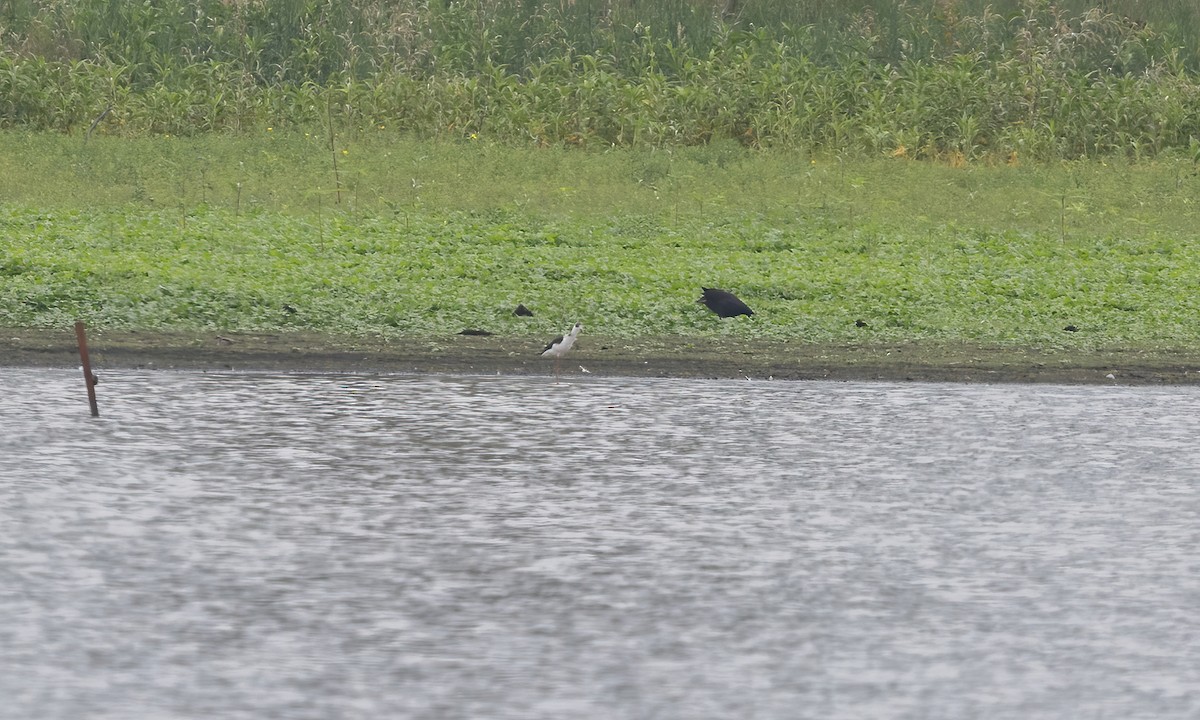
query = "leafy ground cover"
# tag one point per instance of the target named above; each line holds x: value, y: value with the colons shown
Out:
x: 429, y: 240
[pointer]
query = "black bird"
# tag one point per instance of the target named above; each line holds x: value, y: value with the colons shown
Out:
x: 723, y: 303
x: 522, y: 311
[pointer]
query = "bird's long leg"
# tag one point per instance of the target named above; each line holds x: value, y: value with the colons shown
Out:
x: 557, y: 360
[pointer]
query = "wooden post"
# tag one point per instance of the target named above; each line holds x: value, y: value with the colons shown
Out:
x: 88, y: 378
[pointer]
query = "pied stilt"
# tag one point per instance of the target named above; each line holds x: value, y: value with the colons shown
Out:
x: 560, y: 345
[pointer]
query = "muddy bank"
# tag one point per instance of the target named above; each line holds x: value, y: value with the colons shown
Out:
x: 649, y: 357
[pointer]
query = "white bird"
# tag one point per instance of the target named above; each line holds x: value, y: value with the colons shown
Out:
x: 560, y: 345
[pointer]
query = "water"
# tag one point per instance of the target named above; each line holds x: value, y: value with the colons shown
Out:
x: 250, y: 546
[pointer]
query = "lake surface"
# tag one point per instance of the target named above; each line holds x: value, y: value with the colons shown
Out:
x: 263, y: 546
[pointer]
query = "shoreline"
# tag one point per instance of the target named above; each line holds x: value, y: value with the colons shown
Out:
x: 672, y: 357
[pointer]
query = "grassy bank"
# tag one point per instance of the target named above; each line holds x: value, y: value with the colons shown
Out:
x: 247, y: 233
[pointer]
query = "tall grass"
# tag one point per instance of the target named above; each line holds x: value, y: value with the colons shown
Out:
x: 316, y: 40
x: 957, y: 79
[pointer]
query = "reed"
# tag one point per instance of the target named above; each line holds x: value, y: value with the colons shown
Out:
x: 958, y: 80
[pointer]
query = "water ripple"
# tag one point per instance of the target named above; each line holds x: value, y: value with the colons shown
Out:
x: 247, y: 546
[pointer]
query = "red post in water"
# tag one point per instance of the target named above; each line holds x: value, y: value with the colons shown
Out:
x: 88, y: 378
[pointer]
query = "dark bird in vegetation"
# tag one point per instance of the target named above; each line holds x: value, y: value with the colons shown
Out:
x: 1071, y: 328
x: 723, y: 303
x: 472, y: 331
x: 560, y: 345
x: 523, y: 311
x: 860, y: 323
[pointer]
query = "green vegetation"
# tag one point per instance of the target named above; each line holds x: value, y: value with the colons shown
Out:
x: 429, y: 239
x: 943, y: 170
x: 957, y: 80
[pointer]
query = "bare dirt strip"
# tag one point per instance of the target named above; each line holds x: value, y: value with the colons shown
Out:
x: 676, y: 357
